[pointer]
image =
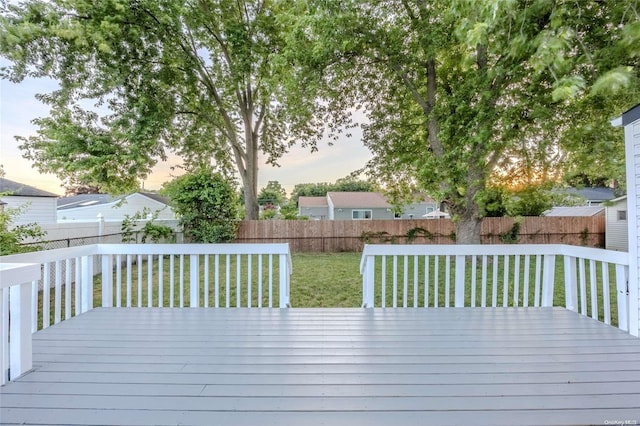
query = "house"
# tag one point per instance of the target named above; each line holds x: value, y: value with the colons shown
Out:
x: 87, y: 207
x: 630, y: 121
x: 361, y: 206
x: 38, y: 206
x: 616, y: 234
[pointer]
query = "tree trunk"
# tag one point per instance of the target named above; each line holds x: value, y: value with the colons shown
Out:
x: 250, y: 179
x: 468, y: 229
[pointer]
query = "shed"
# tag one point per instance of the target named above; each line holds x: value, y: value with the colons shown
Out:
x: 38, y: 206
x: 630, y: 121
x: 574, y: 211
x: 617, y: 233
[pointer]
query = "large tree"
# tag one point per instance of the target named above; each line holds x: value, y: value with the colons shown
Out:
x: 143, y: 78
x: 455, y: 89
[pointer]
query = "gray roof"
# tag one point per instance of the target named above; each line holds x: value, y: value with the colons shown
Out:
x: 21, y: 190
x: 575, y: 211
x: 593, y: 194
x: 86, y: 200
x: 305, y: 201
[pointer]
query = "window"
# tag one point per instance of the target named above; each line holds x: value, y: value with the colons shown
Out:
x: 361, y: 214
x: 430, y: 209
x: 622, y: 215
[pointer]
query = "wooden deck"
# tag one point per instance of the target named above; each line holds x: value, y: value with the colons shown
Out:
x: 328, y: 367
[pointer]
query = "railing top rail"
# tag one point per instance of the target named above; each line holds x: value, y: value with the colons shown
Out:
x: 18, y: 273
x: 258, y: 248
x: 50, y: 255
x: 491, y: 249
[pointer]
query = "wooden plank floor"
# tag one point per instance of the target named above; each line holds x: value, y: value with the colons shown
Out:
x: 328, y: 367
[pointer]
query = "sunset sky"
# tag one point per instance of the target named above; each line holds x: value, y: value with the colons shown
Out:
x: 18, y: 106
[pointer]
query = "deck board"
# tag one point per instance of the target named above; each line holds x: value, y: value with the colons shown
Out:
x: 328, y: 367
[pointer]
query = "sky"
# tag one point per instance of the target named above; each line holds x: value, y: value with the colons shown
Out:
x: 18, y: 106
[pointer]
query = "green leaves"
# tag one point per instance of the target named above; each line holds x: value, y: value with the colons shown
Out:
x: 614, y: 81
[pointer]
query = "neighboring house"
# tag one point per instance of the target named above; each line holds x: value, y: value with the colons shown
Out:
x: 39, y: 206
x: 617, y: 231
x: 593, y: 196
x: 87, y: 207
x: 315, y: 208
x: 575, y: 211
x: 361, y: 206
x: 427, y: 208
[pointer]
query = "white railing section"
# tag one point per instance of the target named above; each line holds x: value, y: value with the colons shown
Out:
x: 156, y: 275
x: 15, y: 333
x: 498, y: 275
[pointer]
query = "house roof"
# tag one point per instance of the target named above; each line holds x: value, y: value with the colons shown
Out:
x: 629, y: 116
x: 312, y: 202
x: 358, y: 199
x: 87, y: 200
x: 575, y: 211
x: 21, y: 190
x: 593, y: 194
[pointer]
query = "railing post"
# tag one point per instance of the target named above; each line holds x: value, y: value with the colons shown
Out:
x: 548, y: 280
x: 284, y: 281
x: 20, y: 348
x: 368, y: 282
x: 86, y: 284
x: 107, y: 281
x: 570, y: 283
x: 622, y: 290
x: 194, y: 281
x: 459, y: 281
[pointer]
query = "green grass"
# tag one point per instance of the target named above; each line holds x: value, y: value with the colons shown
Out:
x: 318, y: 280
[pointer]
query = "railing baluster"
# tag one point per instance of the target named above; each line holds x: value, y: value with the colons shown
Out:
x: 172, y: 280
x: 150, y: 281
x: 606, y: 293
x: 160, y: 281
x: 46, y: 295
x: 129, y: 280
x: 57, y: 313
x: 194, y: 281
x: 228, y: 281
x: 505, y: 280
x: 270, y: 280
x: 622, y: 276
x: 119, y: 281
x: 494, y: 288
x: 67, y: 289
x: 216, y: 275
x: 4, y: 335
x: 415, y: 281
x: 483, y: 302
x: 405, y: 281
x: 182, y: 280
x: 583, y: 288
x: 516, y: 282
x: 538, y: 280
x: 436, y: 272
x: 459, y: 288
x: 260, y: 281
x: 34, y: 306
x: 238, y: 281
x: 426, y: 281
x: 383, y: 293
x: 78, y: 286
x: 474, y: 278
x: 206, y: 281
x: 139, y: 264
x: 395, y: 281
x: 594, y: 289
x: 527, y: 271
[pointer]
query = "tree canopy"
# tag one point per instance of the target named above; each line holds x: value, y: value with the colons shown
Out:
x: 141, y: 79
x: 455, y: 90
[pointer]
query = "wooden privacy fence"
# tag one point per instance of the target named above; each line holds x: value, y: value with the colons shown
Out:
x: 352, y: 235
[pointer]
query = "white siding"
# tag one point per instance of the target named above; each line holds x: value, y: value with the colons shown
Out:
x: 632, y: 151
x: 37, y: 209
x: 616, y: 235
x: 114, y: 211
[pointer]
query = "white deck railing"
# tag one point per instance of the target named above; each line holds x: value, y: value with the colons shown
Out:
x: 61, y: 283
x: 498, y: 275
x: 15, y: 335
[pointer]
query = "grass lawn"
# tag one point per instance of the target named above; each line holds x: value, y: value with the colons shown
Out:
x: 318, y: 280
